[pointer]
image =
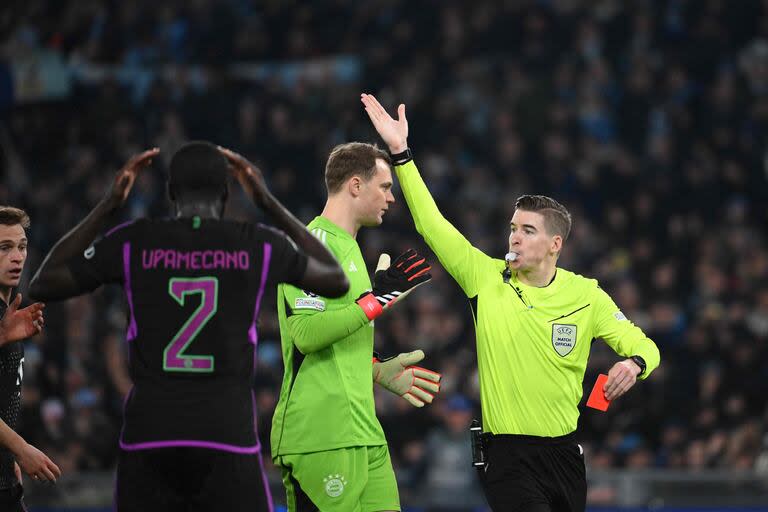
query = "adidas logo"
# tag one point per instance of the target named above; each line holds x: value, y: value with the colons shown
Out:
x: 352, y: 267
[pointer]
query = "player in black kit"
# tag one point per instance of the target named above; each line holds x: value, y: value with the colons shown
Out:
x: 16, y: 324
x: 194, y: 285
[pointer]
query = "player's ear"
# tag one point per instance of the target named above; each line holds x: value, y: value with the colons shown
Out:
x: 353, y: 185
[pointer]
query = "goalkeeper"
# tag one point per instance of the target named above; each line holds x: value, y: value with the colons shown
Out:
x: 534, y: 324
x: 325, y: 434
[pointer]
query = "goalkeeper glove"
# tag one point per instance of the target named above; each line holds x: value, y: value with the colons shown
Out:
x: 415, y: 384
x: 391, y: 283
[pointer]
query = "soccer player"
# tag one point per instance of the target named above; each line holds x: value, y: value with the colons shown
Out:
x: 534, y: 324
x: 194, y: 285
x: 16, y: 325
x: 325, y: 434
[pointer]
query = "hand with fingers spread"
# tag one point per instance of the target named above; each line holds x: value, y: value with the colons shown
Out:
x: 125, y: 177
x: 19, y: 324
x: 393, y: 132
x: 393, y: 282
x: 621, y: 378
x: 248, y: 175
x: 415, y: 384
x: 37, y: 464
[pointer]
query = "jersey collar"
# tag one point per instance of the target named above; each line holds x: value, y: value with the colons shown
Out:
x: 325, y: 224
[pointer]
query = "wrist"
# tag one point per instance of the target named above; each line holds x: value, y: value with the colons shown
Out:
x: 370, y: 305
x: 639, y: 363
x: 17, y: 446
x: 399, y: 147
x: 265, y: 200
x: 109, y: 204
x: 401, y: 157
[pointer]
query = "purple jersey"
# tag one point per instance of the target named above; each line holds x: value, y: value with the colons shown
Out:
x: 194, y: 288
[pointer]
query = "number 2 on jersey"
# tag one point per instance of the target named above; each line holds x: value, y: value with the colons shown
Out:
x: 174, y: 358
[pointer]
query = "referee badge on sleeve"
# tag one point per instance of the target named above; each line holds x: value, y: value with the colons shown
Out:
x: 563, y: 338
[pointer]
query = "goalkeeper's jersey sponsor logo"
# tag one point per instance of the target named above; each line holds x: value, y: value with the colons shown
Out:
x: 563, y: 338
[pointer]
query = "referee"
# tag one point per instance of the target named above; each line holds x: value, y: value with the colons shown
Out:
x: 534, y: 323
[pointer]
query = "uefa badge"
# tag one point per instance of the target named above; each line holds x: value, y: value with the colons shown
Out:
x: 563, y: 338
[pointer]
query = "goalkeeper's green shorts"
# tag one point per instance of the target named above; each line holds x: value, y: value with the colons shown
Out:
x: 357, y: 479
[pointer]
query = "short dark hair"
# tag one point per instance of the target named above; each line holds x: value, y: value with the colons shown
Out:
x: 198, y: 166
x: 10, y: 216
x: 350, y: 159
x: 557, y: 220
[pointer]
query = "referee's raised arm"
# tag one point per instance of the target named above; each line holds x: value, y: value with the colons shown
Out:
x: 457, y: 255
x: 534, y: 323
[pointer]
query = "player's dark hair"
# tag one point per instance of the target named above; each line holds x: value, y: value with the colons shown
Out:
x: 557, y: 220
x: 10, y: 216
x: 352, y: 159
x: 198, y: 168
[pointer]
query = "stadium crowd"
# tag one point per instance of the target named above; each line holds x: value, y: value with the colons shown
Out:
x: 648, y: 120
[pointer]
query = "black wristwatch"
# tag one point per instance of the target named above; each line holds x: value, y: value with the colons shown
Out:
x: 639, y: 361
x: 402, y: 158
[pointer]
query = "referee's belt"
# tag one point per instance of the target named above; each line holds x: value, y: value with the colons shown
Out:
x: 520, y: 439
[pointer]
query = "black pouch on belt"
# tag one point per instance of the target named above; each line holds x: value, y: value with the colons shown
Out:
x: 478, y: 445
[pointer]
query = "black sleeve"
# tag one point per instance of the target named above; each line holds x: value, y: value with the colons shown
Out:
x: 287, y: 262
x: 105, y: 260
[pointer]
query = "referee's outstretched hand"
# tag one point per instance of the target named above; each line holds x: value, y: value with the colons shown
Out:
x: 621, y: 378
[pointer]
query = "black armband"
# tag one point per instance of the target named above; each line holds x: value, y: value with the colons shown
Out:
x: 402, y: 158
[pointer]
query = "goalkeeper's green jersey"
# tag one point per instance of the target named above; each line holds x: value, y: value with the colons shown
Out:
x: 532, y: 343
x: 326, y: 400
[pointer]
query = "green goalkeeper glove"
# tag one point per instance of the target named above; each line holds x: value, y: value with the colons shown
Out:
x: 415, y: 384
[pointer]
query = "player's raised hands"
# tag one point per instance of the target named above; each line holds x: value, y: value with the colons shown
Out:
x: 18, y: 324
x: 248, y: 175
x: 126, y: 176
x: 393, y: 132
x: 37, y: 464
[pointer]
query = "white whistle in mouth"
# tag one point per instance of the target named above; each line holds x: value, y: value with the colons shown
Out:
x: 511, y: 256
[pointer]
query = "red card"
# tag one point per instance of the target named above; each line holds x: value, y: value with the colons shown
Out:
x: 597, y: 397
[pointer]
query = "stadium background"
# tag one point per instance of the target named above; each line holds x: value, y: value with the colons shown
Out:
x: 647, y: 119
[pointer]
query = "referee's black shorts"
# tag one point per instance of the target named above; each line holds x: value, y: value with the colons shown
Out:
x: 534, y: 474
x: 190, y: 480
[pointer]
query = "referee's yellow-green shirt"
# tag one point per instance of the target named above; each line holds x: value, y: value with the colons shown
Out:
x: 532, y: 343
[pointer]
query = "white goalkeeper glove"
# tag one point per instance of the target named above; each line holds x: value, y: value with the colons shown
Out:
x: 415, y: 384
